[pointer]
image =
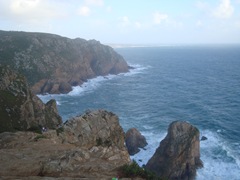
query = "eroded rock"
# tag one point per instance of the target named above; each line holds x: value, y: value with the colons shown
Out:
x: 20, y: 109
x: 134, y: 140
x: 178, y: 155
x: 73, y: 152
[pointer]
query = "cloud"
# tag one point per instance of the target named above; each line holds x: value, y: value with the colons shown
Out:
x: 109, y: 9
x: 224, y: 10
x: 138, y: 25
x: 199, y: 23
x: 94, y: 2
x: 202, y: 5
x: 158, y: 18
x: 124, y: 21
x: 237, y: 24
x: 84, y: 11
x: 31, y: 10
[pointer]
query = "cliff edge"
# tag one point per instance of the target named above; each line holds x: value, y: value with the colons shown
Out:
x: 88, y: 146
x: 53, y: 64
x: 20, y: 109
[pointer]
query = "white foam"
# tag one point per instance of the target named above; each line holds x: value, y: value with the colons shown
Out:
x: 94, y: 83
x: 153, y: 140
x: 219, y: 160
x: 137, y: 69
x: 58, y: 103
x: 213, y: 154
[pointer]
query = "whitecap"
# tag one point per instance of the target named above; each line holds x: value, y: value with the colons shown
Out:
x: 153, y: 141
x: 219, y: 160
x: 137, y: 69
x: 90, y: 85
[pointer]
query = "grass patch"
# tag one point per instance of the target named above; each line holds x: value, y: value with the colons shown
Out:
x: 40, y: 136
x: 36, y: 129
x: 133, y: 170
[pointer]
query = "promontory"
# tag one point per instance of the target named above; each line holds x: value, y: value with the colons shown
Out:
x: 53, y: 64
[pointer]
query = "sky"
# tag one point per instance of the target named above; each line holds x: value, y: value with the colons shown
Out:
x: 127, y: 21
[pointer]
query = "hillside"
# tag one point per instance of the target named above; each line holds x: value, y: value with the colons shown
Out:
x: 53, y: 64
x: 20, y: 109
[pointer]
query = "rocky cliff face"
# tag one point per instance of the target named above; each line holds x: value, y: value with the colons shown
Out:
x: 88, y: 146
x: 178, y: 155
x: 134, y: 140
x: 53, y: 64
x: 19, y: 108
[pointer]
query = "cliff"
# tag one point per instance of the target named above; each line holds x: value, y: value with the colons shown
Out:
x: 178, y: 155
x: 20, y: 109
x: 53, y: 64
x: 88, y: 146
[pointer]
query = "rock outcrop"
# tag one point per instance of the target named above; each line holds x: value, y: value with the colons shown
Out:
x: 178, y: 155
x: 88, y: 146
x: 20, y: 109
x: 53, y: 64
x: 134, y: 140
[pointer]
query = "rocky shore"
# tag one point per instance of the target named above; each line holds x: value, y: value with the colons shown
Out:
x: 35, y: 144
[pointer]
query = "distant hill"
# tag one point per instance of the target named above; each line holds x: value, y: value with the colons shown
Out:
x: 53, y: 64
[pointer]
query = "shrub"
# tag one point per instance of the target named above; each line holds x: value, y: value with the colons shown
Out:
x: 40, y: 136
x: 134, y: 170
x: 36, y: 129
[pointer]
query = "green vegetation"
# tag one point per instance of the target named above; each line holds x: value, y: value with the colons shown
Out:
x: 59, y: 130
x: 133, y: 170
x: 40, y: 136
x: 36, y: 129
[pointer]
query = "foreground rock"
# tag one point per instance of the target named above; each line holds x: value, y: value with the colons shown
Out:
x: 178, y: 155
x: 134, y: 140
x: 20, y: 109
x: 53, y: 64
x: 88, y: 146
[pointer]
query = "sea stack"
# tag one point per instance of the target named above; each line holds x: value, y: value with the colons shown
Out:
x: 134, y: 140
x: 178, y: 155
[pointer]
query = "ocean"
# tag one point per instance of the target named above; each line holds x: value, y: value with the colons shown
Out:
x: 198, y: 84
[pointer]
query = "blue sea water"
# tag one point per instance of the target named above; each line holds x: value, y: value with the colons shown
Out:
x: 198, y: 84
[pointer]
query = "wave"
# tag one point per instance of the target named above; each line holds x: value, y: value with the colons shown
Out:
x: 153, y: 140
x: 94, y: 83
x: 218, y: 157
x: 91, y: 84
x: 219, y: 160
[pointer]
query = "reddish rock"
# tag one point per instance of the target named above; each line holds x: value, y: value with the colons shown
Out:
x: 52, y: 64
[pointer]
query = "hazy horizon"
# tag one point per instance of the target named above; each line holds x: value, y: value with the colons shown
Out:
x: 128, y: 22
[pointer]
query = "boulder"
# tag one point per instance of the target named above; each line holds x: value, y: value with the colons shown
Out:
x: 89, y: 146
x: 204, y: 138
x: 20, y: 109
x: 134, y: 140
x: 178, y: 155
